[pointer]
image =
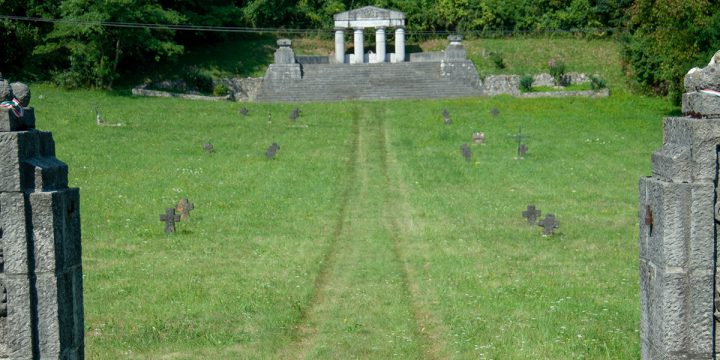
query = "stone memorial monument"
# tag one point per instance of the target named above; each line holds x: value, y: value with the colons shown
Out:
x: 369, y: 17
x: 678, y: 217
x: 41, y: 316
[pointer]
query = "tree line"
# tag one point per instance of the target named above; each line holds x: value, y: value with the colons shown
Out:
x: 661, y: 38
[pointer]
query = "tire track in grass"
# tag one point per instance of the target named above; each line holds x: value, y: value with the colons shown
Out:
x: 361, y: 308
x: 330, y: 253
x: 398, y: 214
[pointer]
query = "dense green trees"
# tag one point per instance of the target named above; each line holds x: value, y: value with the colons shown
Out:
x: 662, y: 38
x: 668, y: 37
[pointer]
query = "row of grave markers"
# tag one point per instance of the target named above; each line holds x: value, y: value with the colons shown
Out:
x: 478, y: 138
x: 182, y: 211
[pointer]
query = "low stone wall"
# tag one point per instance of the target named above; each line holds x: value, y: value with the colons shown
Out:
x: 142, y: 91
x: 427, y: 57
x: 304, y: 59
x: 510, y: 85
x: 559, y: 94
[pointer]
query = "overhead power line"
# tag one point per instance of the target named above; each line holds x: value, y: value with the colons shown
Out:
x: 235, y: 29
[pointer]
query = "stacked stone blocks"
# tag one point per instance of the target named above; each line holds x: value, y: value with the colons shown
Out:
x: 40, y: 268
x: 678, y: 215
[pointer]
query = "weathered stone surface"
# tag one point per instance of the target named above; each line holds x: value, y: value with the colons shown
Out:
x: 672, y: 162
x: 702, y: 135
x: 701, y: 79
x: 283, y: 72
x: 543, y: 79
x: 699, y: 104
x: 10, y: 122
x: 284, y: 54
x: 563, y: 94
x: 18, y: 338
x: 27, y: 161
x: 56, y: 229
x: 502, y: 84
x: 6, y: 93
x: 455, y: 52
x: 461, y: 72
x: 674, y: 274
x: 14, y: 232
x: 21, y: 92
x: 41, y: 302
x: 369, y: 16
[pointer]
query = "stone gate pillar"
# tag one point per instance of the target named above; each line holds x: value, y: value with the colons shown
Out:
x: 678, y: 218
x: 359, y: 43
x: 41, y: 310
x: 339, y: 46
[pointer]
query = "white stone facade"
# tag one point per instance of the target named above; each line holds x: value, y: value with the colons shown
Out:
x: 369, y: 17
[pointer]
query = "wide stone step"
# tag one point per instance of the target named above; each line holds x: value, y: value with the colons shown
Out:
x: 369, y: 81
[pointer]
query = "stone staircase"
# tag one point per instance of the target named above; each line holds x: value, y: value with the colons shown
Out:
x: 418, y: 80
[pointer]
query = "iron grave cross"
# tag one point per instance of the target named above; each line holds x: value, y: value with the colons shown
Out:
x: 549, y: 224
x: 183, y: 207
x: 170, y: 218
x: 532, y: 214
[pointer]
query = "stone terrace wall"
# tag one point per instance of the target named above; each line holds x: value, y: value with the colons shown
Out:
x: 41, y: 311
x: 678, y: 226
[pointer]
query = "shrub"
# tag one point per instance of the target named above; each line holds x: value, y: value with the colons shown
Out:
x: 597, y: 82
x: 199, y: 80
x: 526, y: 83
x: 557, y: 70
x: 497, y: 59
x: 220, y: 90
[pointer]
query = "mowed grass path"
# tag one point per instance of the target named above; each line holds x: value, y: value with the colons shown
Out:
x: 368, y: 237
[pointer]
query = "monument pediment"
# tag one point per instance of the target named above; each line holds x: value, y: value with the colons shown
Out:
x: 369, y: 16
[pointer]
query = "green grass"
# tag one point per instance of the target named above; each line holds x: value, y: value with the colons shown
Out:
x: 368, y: 237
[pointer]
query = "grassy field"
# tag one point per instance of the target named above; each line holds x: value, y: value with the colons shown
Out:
x: 369, y: 236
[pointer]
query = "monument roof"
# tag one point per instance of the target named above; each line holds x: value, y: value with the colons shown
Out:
x: 369, y: 16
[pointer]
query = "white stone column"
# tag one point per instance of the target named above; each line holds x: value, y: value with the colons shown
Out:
x: 380, y: 45
x: 399, y: 44
x: 340, y: 46
x: 359, y: 46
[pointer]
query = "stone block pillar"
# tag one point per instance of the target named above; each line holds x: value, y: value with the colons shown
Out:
x: 41, y: 310
x: 285, y: 67
x: 380, y: 45
x: 678, y: 216
x: 359, y: 43
x: 399, y: 44
x: 339, y: 46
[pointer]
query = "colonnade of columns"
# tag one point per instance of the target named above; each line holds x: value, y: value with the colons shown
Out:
x: 380, y: 45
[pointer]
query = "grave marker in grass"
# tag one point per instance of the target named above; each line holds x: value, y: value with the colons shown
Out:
x: 549, y: 224
x: 208, y: 147
x: 184, y: 207
x: 478, y: 138
x: 466, y: 152
x: 170, y: 218
x: 531, y: 214
x: 272, y: 151
x: 446, y: 117
x: 522, y: 150
x: 295, y: 114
